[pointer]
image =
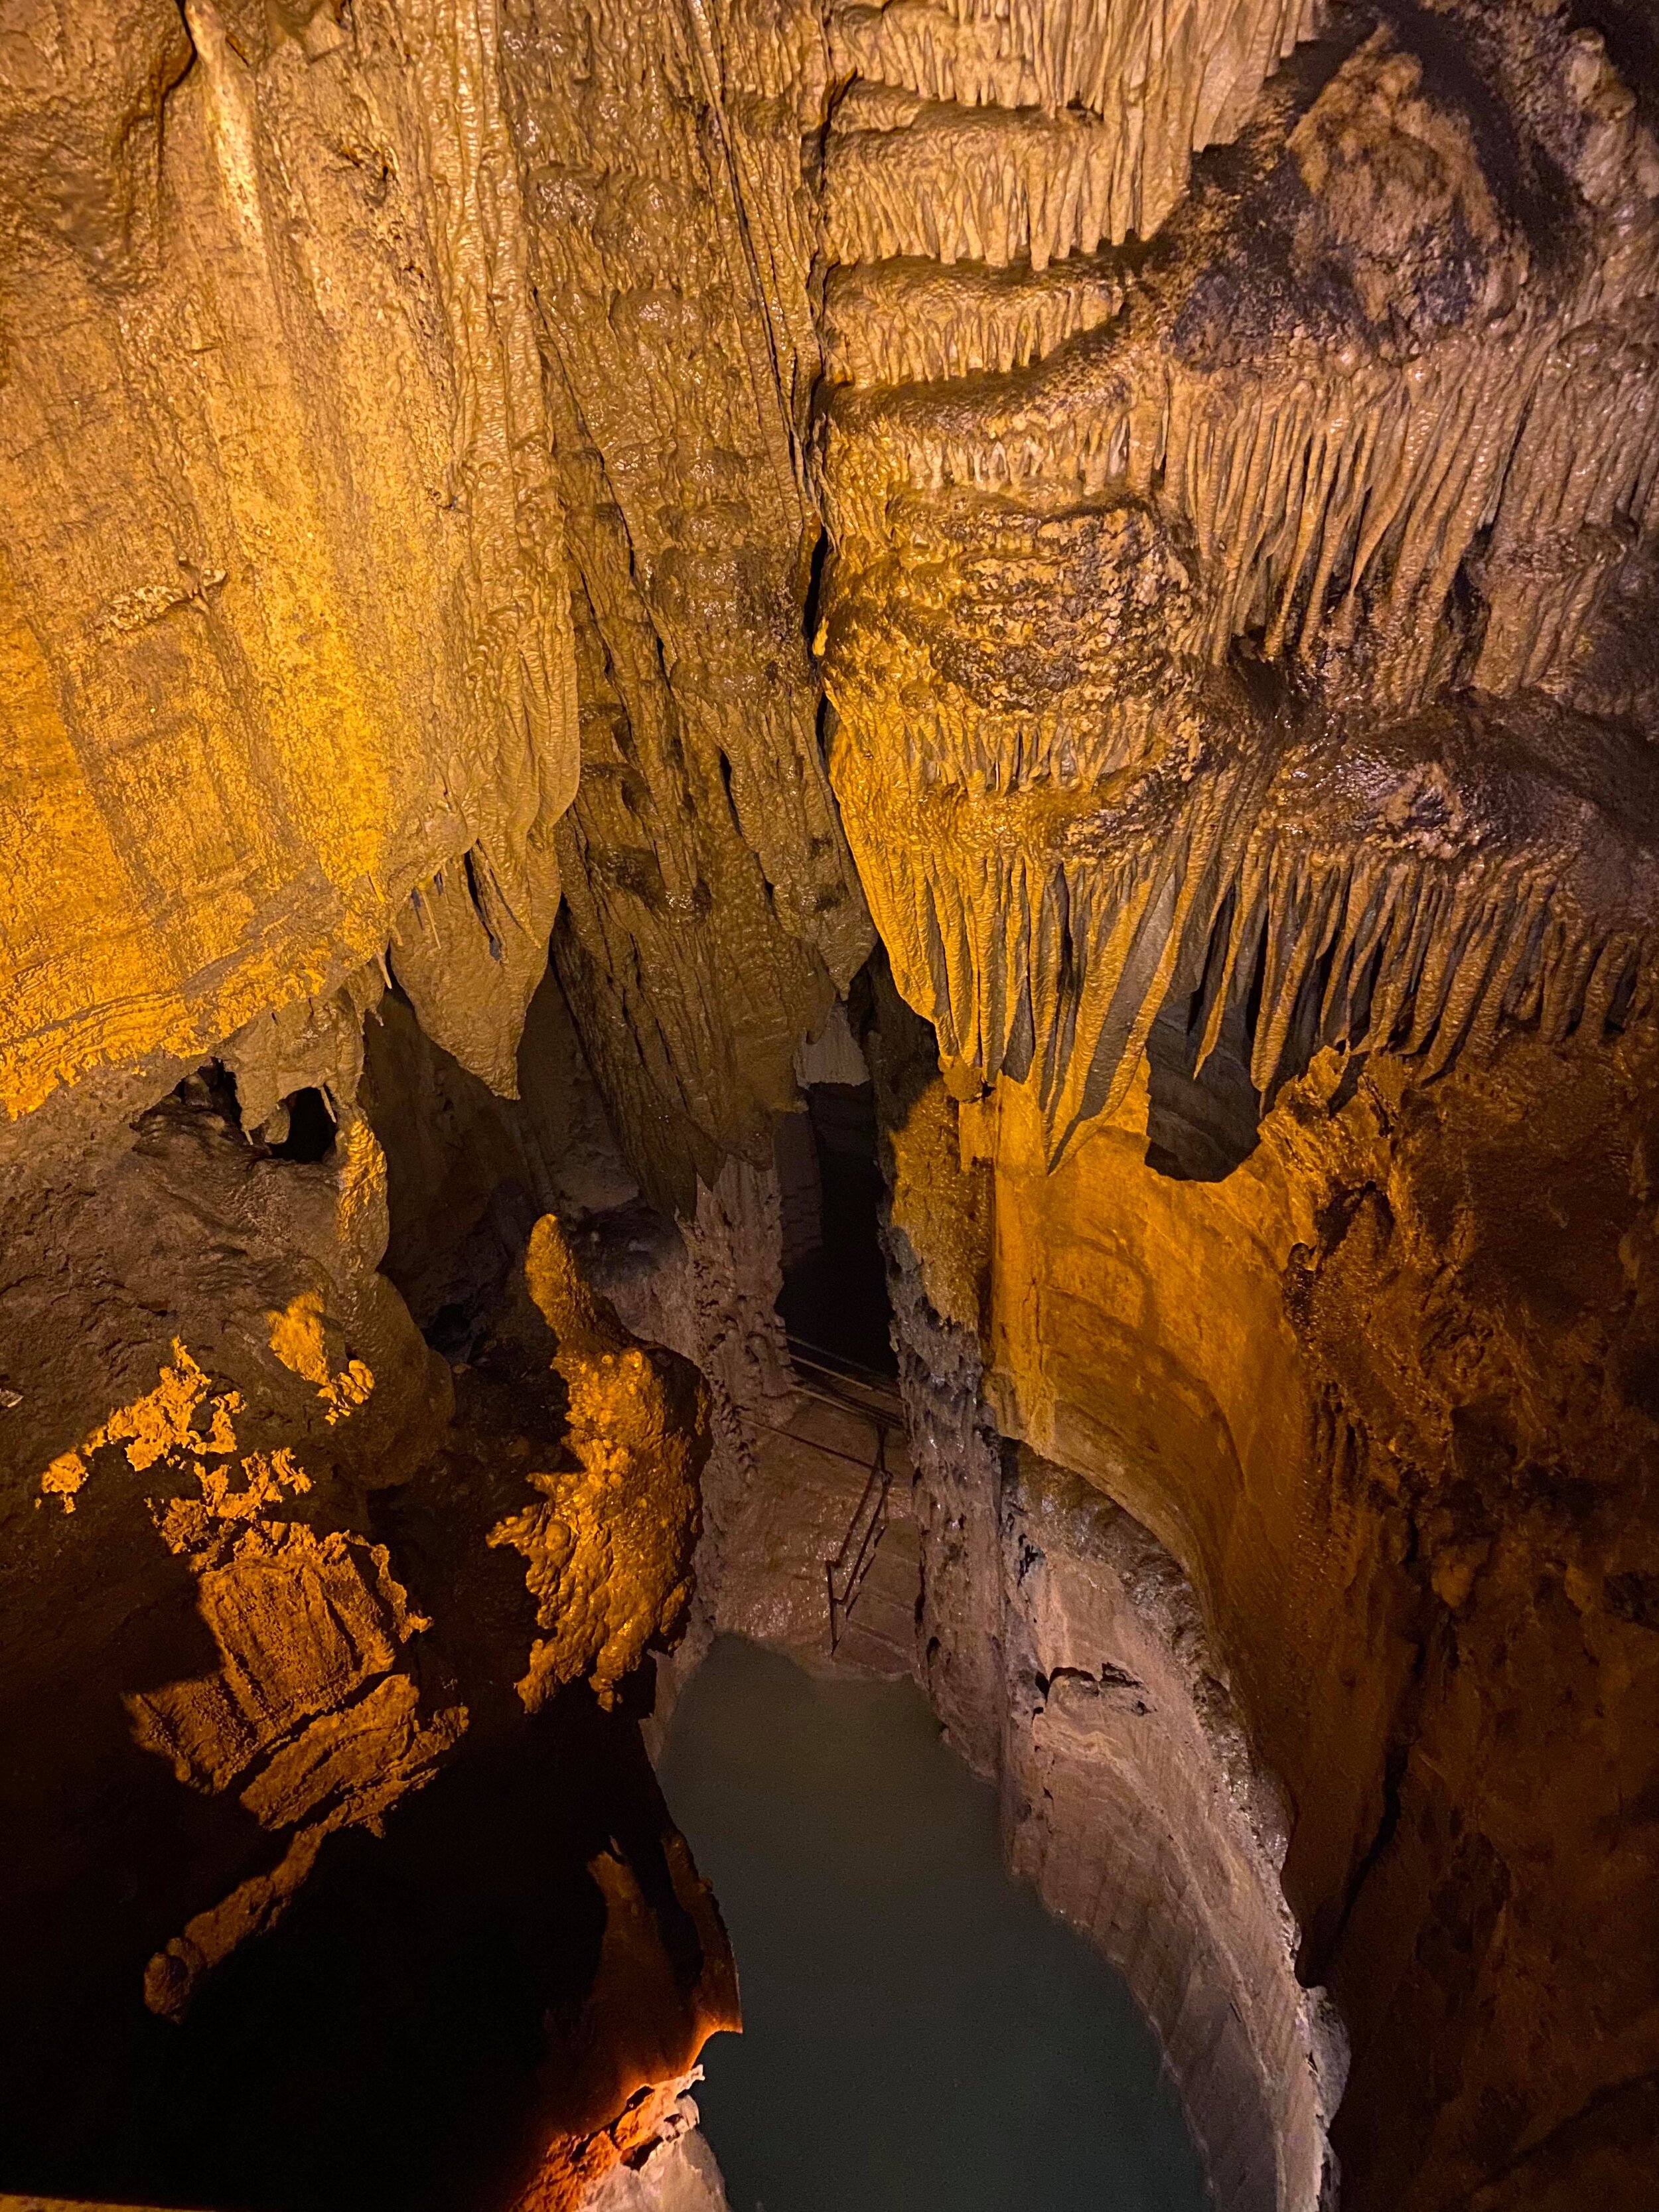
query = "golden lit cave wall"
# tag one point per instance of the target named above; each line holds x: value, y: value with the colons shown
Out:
x: 670, y: 155
x: 1071, y: 1660
x: 286, y: 561
x: 281, y: 589
x: 1255, y: 624
x: 205, y: 1377
x: 1267, y: 590
x: 327, y: 341
x: 1391, y: 1418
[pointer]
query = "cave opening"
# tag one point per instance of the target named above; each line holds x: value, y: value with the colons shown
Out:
x: 835, y: 1303
x: 311, y: 1128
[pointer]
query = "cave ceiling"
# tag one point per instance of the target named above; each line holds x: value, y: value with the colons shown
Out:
x: 1117, y: 542
x: 1217, y: 452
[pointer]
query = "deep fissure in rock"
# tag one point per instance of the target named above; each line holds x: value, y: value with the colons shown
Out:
x: 833, y: 1302
x: 834, y: 822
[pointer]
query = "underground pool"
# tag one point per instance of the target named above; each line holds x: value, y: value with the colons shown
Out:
x: 920, y: 2036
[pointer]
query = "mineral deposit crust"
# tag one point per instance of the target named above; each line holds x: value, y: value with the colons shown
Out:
x: 1150, y: 512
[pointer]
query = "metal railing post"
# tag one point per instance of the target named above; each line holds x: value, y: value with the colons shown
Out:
x: 873, y: 1496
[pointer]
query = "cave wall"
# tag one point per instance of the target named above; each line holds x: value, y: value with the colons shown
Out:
x: 1335, y: 1385
x: 312, y: 1694
x: 1073, y: 1664
x: 1174, y: 649
x: 291, y: 655
x: 670, y: 155
x: 1241, y: 734
x: 1134, y: 1804
x: 294, y: 719
x: 368, y: 368
x: 1154, y: 513
x: 1377, y: 1397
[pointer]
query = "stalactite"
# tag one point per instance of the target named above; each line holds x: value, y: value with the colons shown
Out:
x: 909, y: 321
x: 1328, y: 505
x: 1373, y: 872
x: 974, y: 184
x: 1160, y: 90
x: 1057, y: 835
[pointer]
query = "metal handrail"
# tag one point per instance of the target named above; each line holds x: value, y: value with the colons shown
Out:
x: 873, y: 1500
x: 843, y: 1574
x: 839, y: 1369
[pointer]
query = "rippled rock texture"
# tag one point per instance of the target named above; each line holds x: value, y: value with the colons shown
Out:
x: 1146, y: 508
x: 274, y: 1572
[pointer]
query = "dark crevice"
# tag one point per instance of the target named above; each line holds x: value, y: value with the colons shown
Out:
x: 212, y: 1089
x: 834, y: 1298
x: 311, y: 1127
x: 475, y: 892
x: 725, y: 760
x: 1201, y: 1122
x: 815, y: 575
x: 1324, y: 1939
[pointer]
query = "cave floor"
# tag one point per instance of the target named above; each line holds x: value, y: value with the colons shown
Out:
x: 813, y: 1455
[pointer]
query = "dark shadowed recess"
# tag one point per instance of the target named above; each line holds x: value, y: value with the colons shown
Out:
x: 401, y: 2041
x: 1201, y: 1123
x: 835, y: 1277
x: 309, y: 1127
x: 835, y: 1296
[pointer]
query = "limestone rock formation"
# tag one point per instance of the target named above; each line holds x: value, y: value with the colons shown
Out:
x: 289, y: 645
x: 608, y: 1547
x: 535, y: 532
x: 226, y: 1296
x: 680, y: 2175
x: 210, y: 1394
x: 1333, y: 1381
x: 1071, y: 792
x: 1033, y: 130
x: 1109, y: 1669
x: 1213, y: 632
x: 668, y: 159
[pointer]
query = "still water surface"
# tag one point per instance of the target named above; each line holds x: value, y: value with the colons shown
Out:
x: 920, y: 2036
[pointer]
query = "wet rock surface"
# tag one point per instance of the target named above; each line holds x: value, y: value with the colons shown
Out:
x: 1148, y: 511
x: 270, y: 1599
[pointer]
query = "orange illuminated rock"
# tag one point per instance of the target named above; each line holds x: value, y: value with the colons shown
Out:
x: 1203, y: 462
x: 609, y: 1550
x: 641, y: 2031
x: 283, y: 608
x: 1395, y: 1427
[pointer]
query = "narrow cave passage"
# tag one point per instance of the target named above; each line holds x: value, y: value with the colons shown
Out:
x: 919, y: 2035
x: 835, y: 1301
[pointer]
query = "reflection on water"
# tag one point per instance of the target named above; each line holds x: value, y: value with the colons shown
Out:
x: 920, y: 2036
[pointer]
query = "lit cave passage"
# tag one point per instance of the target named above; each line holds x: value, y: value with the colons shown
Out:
x: 829, y: 882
